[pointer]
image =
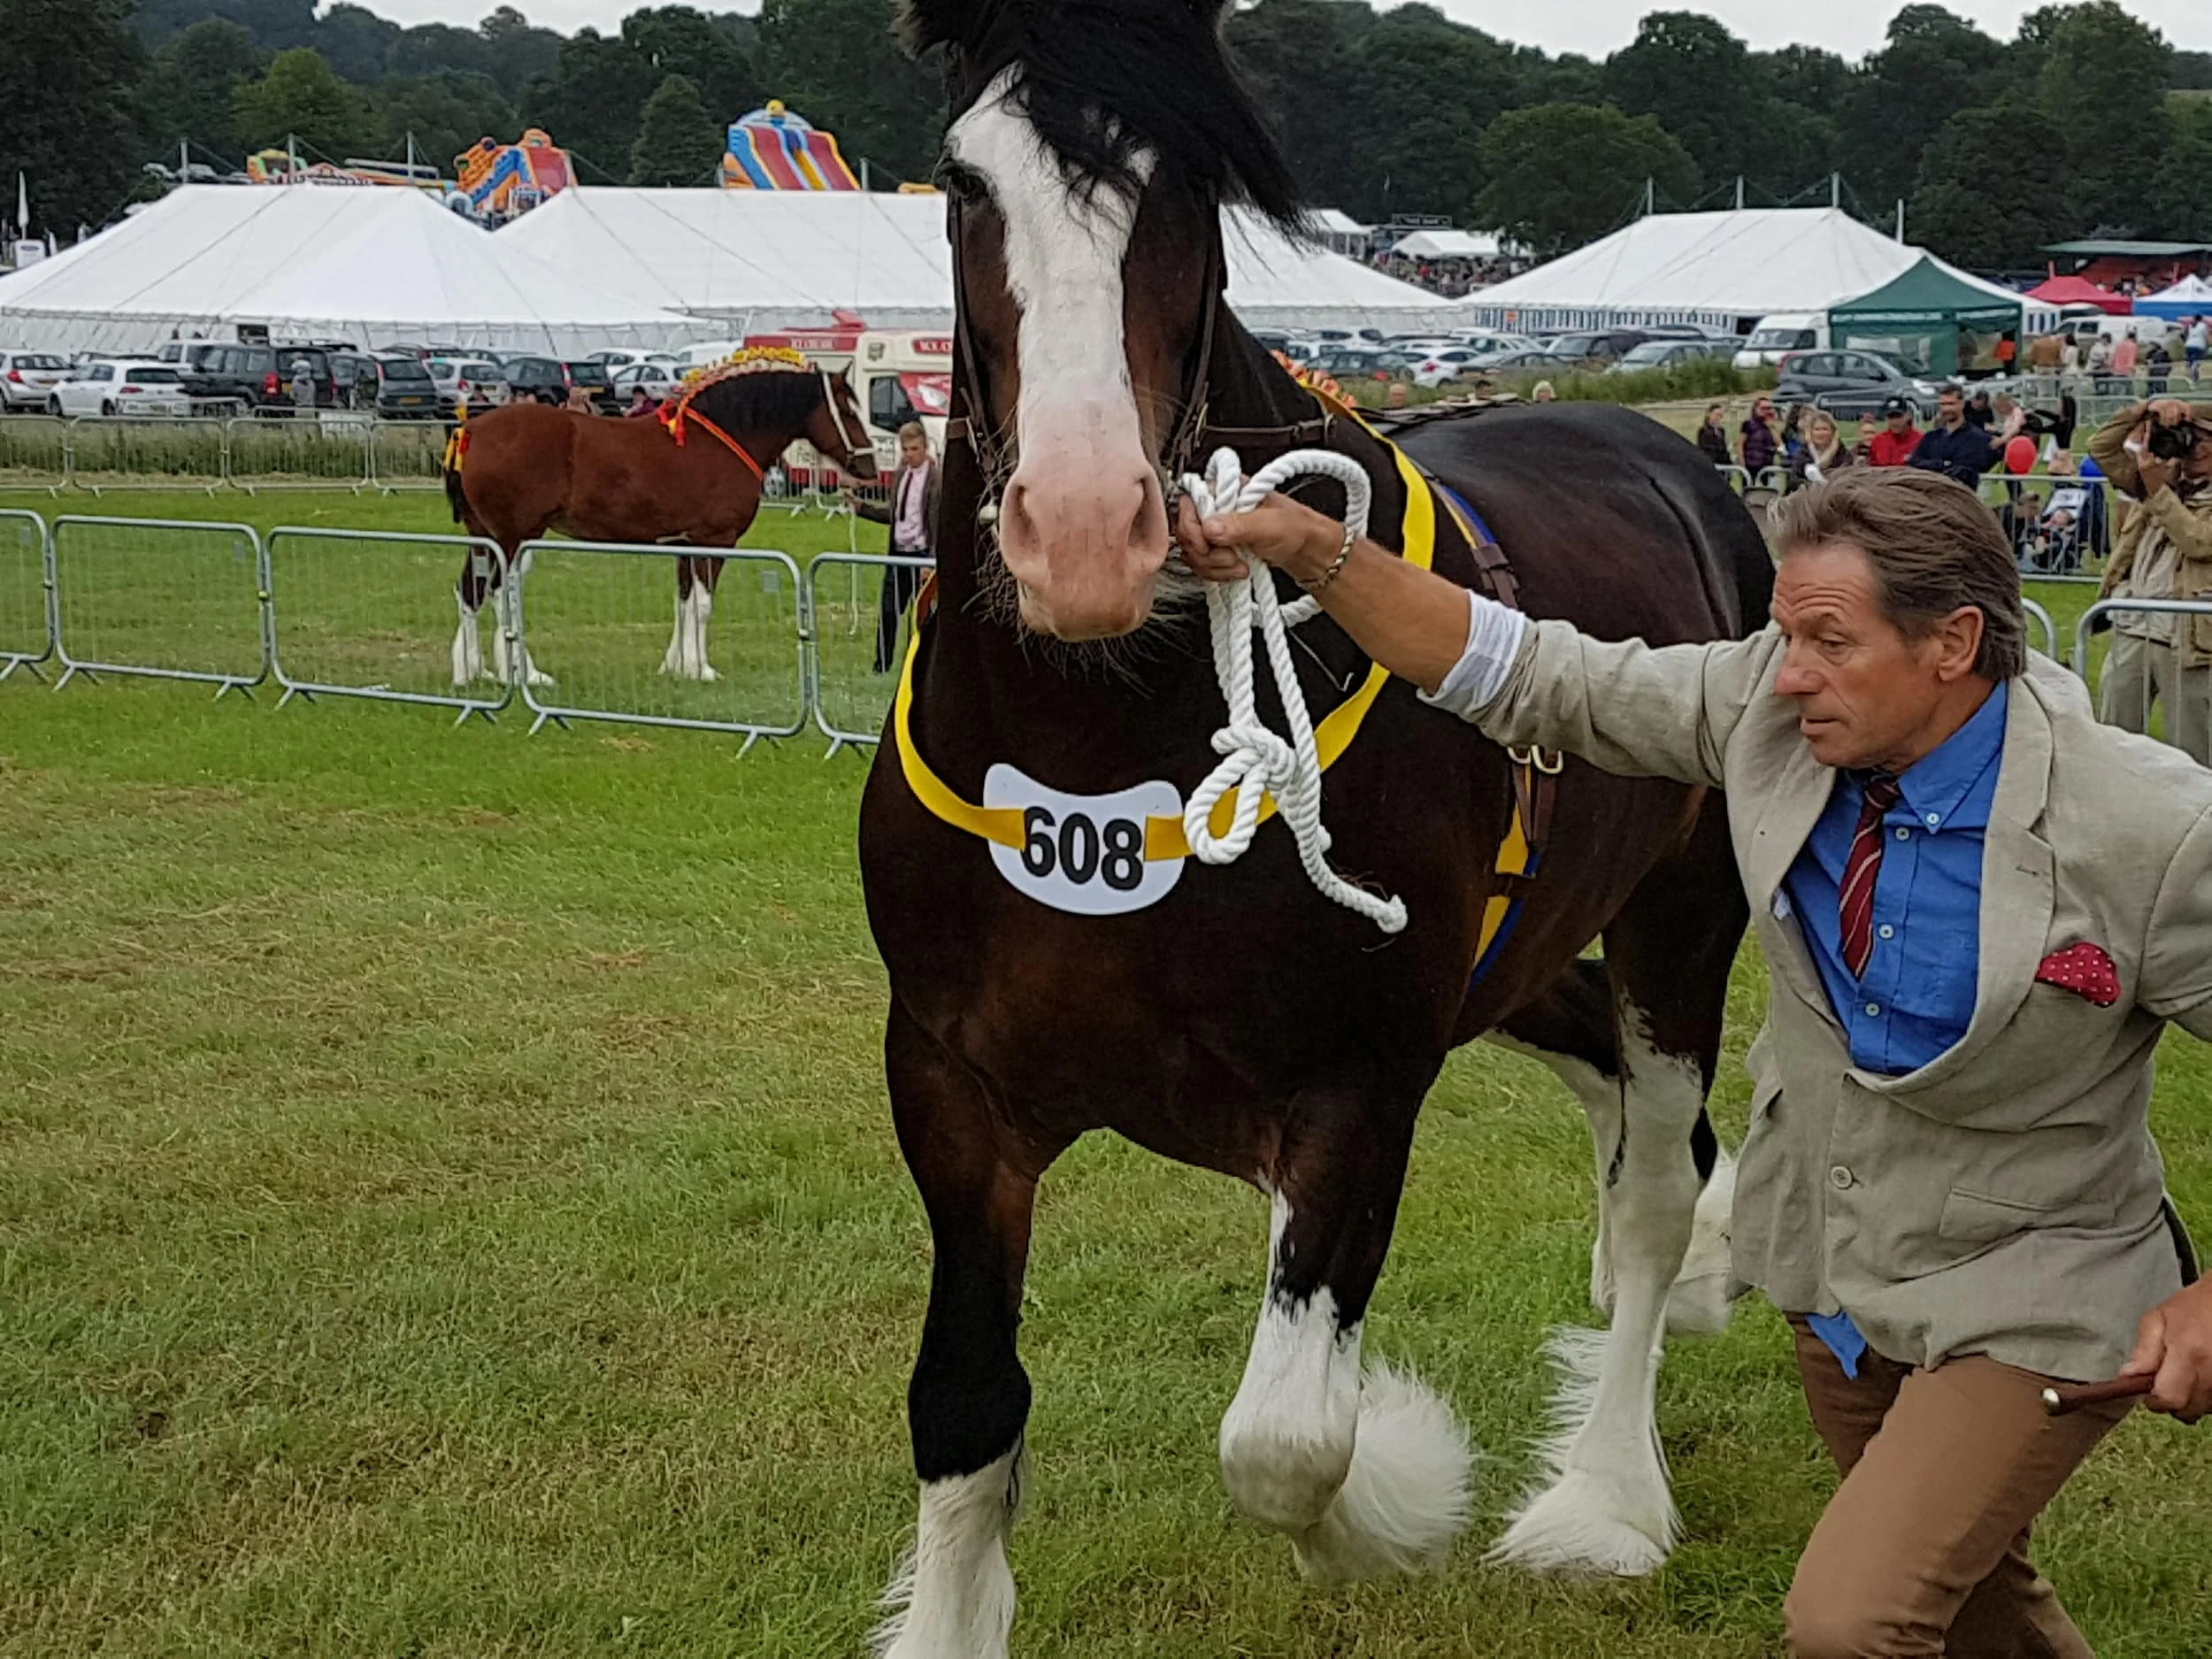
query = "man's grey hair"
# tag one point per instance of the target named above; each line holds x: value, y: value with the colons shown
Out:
x: 1935, y: 546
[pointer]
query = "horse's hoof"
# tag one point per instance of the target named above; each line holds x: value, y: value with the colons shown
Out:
x: 1590, y: 1527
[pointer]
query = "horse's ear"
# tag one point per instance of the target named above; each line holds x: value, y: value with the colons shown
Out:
x: 923, y: 24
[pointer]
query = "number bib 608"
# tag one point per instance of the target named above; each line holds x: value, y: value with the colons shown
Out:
x: 1084, y: 853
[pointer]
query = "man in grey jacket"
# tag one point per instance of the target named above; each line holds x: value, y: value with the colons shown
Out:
x: 1980, y: 909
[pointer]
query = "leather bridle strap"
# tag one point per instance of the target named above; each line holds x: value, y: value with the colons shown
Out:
x: 1191, y: 425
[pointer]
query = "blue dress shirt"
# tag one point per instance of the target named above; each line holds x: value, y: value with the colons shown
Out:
x: 1917, y: 996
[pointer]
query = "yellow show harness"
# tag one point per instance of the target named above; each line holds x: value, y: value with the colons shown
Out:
x: 1519, y: 853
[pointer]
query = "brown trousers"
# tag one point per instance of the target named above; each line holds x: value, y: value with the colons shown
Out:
x: 1924, y: 1549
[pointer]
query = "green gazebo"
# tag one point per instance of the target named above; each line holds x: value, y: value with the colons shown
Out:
x: 1930, y: 319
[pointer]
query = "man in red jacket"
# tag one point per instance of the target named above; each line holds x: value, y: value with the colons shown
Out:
x: 1893, y: 445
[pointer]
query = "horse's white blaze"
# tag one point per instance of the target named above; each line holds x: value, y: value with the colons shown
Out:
x: 1367, y: 1476
x: 1082, y: 526
x: 954, y: 1597
x: 1608, y: 1507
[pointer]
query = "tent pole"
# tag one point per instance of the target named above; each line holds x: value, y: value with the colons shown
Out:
x: 1835, y: 189
x: 1900, y: 219
x: 1739, y: 193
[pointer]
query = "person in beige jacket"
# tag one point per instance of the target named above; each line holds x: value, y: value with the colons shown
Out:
x: 1957, y: 1206
x: 2159, y: 658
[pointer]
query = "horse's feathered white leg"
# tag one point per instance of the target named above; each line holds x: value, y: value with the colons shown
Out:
x: 1608, y: 1507
x: 673, y: 659
x: 701, y: 609
x: 953, y: 1597
x: 468, y: 646
x: 1367, y: 1475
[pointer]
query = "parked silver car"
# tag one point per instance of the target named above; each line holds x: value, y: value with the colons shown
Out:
x: 29, y: 378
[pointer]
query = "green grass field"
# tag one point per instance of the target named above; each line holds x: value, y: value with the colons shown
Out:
x: 448, y: 1207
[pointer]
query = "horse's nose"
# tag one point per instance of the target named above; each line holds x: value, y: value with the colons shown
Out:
x: 1085, y: 542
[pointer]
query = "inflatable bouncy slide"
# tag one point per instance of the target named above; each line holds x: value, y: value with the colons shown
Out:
x: 773, y: 149
x: 500, y: 180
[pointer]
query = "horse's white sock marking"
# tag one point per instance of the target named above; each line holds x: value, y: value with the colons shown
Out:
x: 686, y: 655
x: 702, y: 608
x: 507, y: 618
x: 954, y: 1596
x: 1365, y: 1479
x: 1286, y: 1441
x: 673, y: 659
x: 468, y: 646
x: 1608, y: 1507
x: 1698, y: 1304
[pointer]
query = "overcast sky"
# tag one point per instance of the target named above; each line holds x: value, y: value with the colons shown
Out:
x: 1592, y: 27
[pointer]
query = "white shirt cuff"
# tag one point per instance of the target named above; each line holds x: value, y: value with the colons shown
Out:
x: 1495, y: 633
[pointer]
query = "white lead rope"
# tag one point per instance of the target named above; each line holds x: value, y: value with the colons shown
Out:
x: 1255, y: 759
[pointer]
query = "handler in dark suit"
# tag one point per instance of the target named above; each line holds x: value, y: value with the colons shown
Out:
x: 912, y: 513
x: 1980, y: 910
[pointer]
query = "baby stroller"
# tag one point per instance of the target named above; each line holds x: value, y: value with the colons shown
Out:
x: 2048, y: 541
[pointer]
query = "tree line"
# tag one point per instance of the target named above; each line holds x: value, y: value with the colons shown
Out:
x: 2086, y: 122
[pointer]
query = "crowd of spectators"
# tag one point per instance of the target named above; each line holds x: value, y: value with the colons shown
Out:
x: 1450, y: 278
x: 2155, y: 530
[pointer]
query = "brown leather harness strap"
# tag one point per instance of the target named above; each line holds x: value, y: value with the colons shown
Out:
x: 1534, y: 771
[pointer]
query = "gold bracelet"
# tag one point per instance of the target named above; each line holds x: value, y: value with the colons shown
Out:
x: 1336, y: 565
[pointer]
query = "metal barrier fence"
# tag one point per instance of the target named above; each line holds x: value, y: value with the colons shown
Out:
x: 406, y: 454
x: 605, y: 637
x: 2041, y: 618
x: 852, y: 675
x: 162, y: 599
x: 330, y: 451
x: 34, y: 449
x: 27, y: 594
x: 371, y: 613
x: 2137, y: 684
x: 129, y: 452
x: 273, y: 449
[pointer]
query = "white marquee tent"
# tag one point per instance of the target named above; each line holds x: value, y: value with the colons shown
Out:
x: 763, y: 259
x: 365, y: 264
x: 2191, y: 297
x: 1726, y: 269
x: 1447, y: 244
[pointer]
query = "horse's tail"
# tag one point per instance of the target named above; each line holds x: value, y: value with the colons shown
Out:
x: 456, y: 448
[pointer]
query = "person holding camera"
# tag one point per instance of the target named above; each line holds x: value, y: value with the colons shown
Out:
x: 2160, y: 452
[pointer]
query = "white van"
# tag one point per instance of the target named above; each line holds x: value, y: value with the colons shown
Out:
x: 899, y: 375
x: 1783, y: 332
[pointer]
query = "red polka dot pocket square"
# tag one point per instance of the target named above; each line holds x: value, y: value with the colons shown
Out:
x: 2085, y: 970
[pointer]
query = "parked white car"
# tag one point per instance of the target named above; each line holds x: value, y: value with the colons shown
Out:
x: 630, y: 360
x: 120, y: 389
x: 1487, y: 341
x: 1448, y: 364
x: 659, y: 380
x: 27, y: 377
x: 475, y: 379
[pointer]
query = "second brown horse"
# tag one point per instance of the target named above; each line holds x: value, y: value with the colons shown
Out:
x: 693, y: 477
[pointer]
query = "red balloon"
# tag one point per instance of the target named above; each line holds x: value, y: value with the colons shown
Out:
x: 2020, y: 454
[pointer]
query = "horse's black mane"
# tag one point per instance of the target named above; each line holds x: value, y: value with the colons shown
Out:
x: 764, y: 400
x: 1101, y: 80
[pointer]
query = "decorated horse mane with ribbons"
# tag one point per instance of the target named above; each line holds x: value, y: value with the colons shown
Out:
x: 680, y: 413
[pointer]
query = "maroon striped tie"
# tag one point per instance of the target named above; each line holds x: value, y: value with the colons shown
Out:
x: 1860, y: 870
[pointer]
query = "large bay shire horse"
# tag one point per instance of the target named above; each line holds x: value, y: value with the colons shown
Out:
x: 690, y: 477
x: 1059, y: 963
